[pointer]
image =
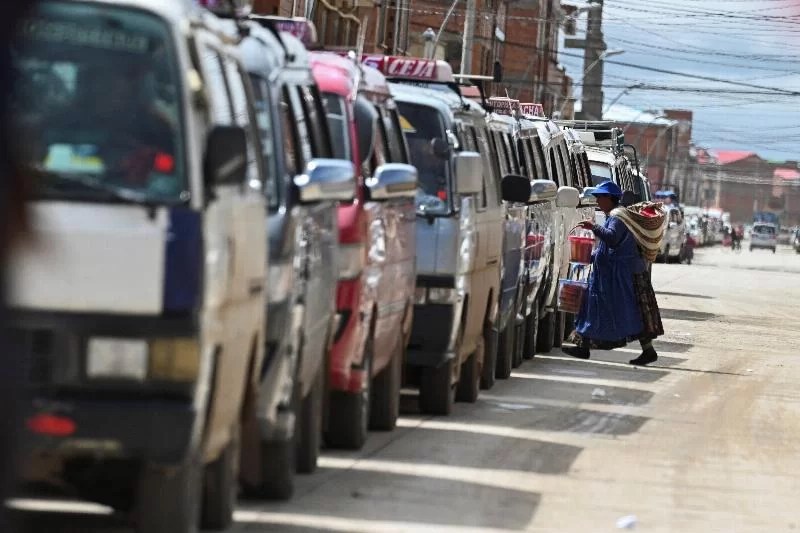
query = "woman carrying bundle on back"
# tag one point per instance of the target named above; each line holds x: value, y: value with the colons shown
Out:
x: 620, y: 305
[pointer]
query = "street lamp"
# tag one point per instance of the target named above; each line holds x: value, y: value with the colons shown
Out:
x: 602, y: 57
x: 623, y: 93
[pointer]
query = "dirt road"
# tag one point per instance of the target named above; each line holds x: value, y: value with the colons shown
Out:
x: 706, y: 440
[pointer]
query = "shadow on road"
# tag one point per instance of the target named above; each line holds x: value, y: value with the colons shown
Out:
x: 682, y: 314
x: 674, y: 347
x: 684, y: 295
x: 473, y: 447
x: 568, y: 367
x: 372, y: 495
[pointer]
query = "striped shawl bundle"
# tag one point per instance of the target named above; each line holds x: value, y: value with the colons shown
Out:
x: 646, y: 221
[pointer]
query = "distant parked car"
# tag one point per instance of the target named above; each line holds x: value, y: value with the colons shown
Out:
x: 764, y: 236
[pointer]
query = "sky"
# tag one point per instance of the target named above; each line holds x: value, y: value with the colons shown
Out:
x: 745, y: 41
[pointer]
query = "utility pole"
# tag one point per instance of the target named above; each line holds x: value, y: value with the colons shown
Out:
x: 469, y: 37
x: 593, y: 47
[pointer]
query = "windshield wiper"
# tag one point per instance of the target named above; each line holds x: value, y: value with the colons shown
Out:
x: 91, y: 182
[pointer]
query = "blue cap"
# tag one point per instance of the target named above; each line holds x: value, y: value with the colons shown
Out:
x: 608, y: 188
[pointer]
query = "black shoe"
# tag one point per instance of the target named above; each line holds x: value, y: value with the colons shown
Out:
x: 648, y: 356
x: 577, y: 351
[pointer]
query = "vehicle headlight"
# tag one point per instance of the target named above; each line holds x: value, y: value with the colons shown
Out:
x: 280, y: 281
x: 351, y: 261
x: 117, y: 359
x: 442, y: 296
x: 175, y: 359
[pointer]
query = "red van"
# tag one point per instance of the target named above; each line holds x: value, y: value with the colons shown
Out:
x: 377, y: 269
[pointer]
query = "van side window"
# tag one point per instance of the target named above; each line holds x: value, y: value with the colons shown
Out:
x: 320, y: 145
x: 289, y: 135
x: 562, y: 166
x: 491, y: 173
x: 379, y: 154
x: 394, y: 136
x: 538, y: 158
x: 261, y: 97
x: 498, y: 148
x: 243, y: 116
x: 221, y: 111
x: 513, y: 159
x: 577, y: 181
x: 306, y: 151
x: 482, y: 147
x: 554, y: 168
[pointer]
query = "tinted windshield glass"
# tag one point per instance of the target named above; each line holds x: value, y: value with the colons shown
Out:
x: 600, y: 173
x: 337, y: 123
x: 99, y: 101
x: 421, y: 125
x: 764, y: 230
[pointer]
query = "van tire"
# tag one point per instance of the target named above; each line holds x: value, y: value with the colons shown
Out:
x: 168, y: 500
x: 505, y: 351
x: 221, y: 487
x: 519, y: 344
x: 309, y: 425
x: 544, y: 337
x: 349, y: 412
x: 469, y: 383
x: 277, y: 469
x: 384, y: 403
x: 531, y: 326
x: 436, y: 390
x: 490, y: 340
x: 558, y: 333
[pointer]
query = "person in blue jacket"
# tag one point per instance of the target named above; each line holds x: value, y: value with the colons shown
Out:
x: 611, y: 314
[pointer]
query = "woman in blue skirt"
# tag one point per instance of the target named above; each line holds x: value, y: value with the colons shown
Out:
x: 620, y: 304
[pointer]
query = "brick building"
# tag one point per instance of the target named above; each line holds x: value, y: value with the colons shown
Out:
x: 656, y: 138
x: 490, y: 21
x: 339, y: 22
x: 785, y: 198
x: 744, y: 183
x: 530, y: 54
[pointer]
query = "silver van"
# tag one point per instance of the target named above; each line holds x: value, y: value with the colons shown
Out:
x: 305, y: 187
x: 459, y: 240
x: 571, y: 208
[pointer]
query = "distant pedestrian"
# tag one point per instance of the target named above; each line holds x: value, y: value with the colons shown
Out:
x: 620, y: 304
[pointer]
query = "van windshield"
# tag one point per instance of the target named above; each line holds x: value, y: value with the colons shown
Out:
x: 98, y: 103
x: 764, y: 230
x: 338, y: 125
x: 421, y: 125
x: 600, y: 173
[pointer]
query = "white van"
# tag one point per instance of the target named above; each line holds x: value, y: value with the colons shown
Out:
x: 142, y: 306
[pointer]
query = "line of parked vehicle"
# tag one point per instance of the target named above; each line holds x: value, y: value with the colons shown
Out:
x: 306, y: 234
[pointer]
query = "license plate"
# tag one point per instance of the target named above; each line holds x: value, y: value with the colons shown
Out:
x: 117, y: 359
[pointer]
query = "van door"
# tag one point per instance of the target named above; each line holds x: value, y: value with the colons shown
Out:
x: 235, y: 240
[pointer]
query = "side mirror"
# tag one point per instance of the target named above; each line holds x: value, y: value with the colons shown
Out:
x: 327, y: 180
x: 226, y: 156
x: 440, y: 148
x: 588, y: 199
x: 516, y: 189
x: 568, y: 197
x: 393, y: 180
x: 543, y: 191
x: 468, y: 168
